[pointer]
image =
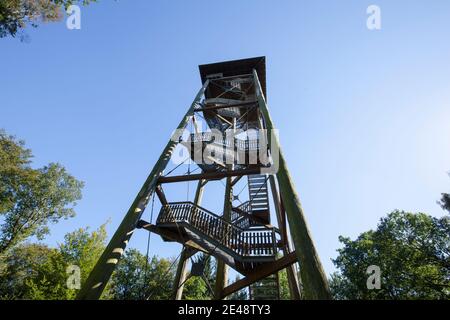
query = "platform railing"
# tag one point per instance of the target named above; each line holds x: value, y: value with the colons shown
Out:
x: 236, y: 143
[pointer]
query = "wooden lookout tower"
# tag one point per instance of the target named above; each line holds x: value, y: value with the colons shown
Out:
x: 257, y: 237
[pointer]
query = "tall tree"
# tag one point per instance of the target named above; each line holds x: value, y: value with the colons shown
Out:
x: 137, y: 278
x: 83, y: 248
x: 19, y: 266
x: 35, y: 271
x: 31, y: 199
x: 80, y: 248
x: 17, y: 14
x: 412, y: 252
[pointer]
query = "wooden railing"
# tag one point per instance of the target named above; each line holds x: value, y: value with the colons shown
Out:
x: 239, y: 219
x: 238, y: 144
x: 246, y: 243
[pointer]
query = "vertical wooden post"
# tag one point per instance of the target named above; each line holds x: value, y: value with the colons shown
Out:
x: 199, y: 192
x: 180, y: 276
x: 315, y: 284
x: 222, y: 268
x: 99, y: 277
x: 294, y: 288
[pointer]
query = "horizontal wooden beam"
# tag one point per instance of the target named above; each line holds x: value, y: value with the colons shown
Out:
x: 261, y: 273
x: 209, y: 175
x: 236, y: 105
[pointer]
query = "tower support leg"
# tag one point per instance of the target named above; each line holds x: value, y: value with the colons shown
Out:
x: 315, y: 285
x: 99, y: 276
x: 222, y: 267
x: 294, y: 288
x: 180, y: 276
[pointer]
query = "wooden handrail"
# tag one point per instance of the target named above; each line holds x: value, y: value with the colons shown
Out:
x: 201, y: 208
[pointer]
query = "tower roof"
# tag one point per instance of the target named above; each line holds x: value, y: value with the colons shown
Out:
x: 237, y: 67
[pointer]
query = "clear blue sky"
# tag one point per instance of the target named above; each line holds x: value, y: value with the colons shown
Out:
x: 363, y: 115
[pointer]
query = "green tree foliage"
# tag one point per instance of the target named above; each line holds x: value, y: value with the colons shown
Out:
x: 137, y: 278
x: 445, y: 202
x: 30, y: 198
x: 83, y: 248
x: 241, y: 294
x: 34, y: 271
x: 17, y: 14
x: 284, y: 285
x: 412, y: 251
x: 200, y: 288
x: 49, y: 280
x: 80, y: 248
x: 21, y: 264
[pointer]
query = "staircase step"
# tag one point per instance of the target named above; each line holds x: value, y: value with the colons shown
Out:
x: 259, y: 196
x: 258, y: 201
x: 257, y: 184
x: 259, y: 205
x: 258, y: 190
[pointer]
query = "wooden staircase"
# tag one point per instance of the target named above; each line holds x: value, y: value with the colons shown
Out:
x: 242, y: 248
x: 259, y: 197
x: 265, y: 289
